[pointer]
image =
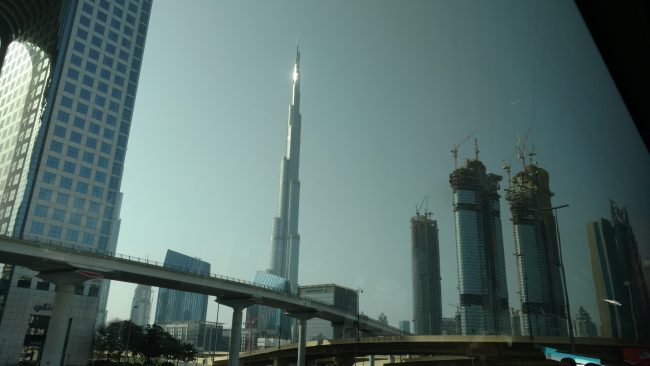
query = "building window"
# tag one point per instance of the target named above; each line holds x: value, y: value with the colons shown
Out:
x: 79, y: 203
x: 62, y: 198
x: 37, y: 228
x: 45, y: 194
x: 82, y: 187
x: 65, y: 183
x: 91, y: 223
x: 49, y: 177
x: 88, y: 238
x: 63, y: 116
x: 85, y: 172
x: 72, y: 152
x: 56, y: 145
x: 53, y: 162
x: 55, y: 232
x: 68, y: 167
x: 40, y: 211
x: 75, y: 137
x: 75, y: 219
x: 72, y: 235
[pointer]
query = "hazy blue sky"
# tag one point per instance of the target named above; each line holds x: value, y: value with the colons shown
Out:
x: 387, y: 88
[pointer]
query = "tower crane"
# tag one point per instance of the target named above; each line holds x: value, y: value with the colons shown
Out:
x: 426, y: 209
x: 454, y: 149
x: 507, y: 166
x: 521, y: 147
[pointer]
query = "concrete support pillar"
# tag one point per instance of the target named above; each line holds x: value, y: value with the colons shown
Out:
x: 235, y: 336
x: 302, y: 341
x: 59, y: 327
x: 371, y: 360
x: 238, y: 304
x: 337, y: 330
x: 302, y: 334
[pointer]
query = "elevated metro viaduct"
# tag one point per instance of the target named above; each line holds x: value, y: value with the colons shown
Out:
x: 68, y: 266
x: 468, y: 350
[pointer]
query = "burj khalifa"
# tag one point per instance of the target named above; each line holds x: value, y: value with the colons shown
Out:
x: 285, y: 239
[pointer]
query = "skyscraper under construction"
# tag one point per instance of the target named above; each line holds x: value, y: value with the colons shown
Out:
x: 536, y: 248
x: 425, y: 254
x: 479, y: 250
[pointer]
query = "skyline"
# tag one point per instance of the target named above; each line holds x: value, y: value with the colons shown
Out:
x: 363, y: 172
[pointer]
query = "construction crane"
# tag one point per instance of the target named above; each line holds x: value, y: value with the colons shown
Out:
x: 426, y: 210
x: 454, y: 149
x: 521, y: 146
x: 507, y: 166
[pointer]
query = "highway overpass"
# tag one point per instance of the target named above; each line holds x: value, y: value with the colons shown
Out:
x: 441, y: 350
x: 73, y: 264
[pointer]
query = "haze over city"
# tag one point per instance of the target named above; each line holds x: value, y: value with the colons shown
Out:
x: 387, y: 90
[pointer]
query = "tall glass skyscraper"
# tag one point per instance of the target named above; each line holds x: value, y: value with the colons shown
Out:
x: 265, y: 321
x: 479, y: 250
x: 175, y: 305
x: 69, y: 75
x: 285, y: 240
x: 425, y: 263
x: 538, y: 259
x: 618, y: 276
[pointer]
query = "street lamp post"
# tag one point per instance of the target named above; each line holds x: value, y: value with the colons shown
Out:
x: 566, y: 293
x: 217, y: 326
x: 359, y: 292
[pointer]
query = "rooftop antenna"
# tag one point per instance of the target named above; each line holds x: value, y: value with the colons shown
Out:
x: 454, y: 149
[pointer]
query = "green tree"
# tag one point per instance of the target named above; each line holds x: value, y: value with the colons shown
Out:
x: 108, y: 340
x: 151, y: 346
x: 187, y: 352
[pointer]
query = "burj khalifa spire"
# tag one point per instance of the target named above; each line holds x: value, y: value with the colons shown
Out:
x: 285, y: 239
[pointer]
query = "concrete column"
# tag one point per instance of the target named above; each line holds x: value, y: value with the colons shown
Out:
x: 302, y: 341
x: 57, y: 331
x: 371, y: 360
x: 235, y: 336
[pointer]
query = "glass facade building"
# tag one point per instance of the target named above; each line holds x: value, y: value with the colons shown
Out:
x: 479, y: 250
x: 425, y: 264
x: 340, y: 297
x: 264, y: 321
x: 536, y: 249
x: 141, y: 305
x: 175, y: 305
x: 68, y: 81
x: 621, y: 291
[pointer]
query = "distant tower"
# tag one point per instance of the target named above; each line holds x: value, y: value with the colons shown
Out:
x: 141, y: 305
x: 425, y: 269
x: 536, y: 248
x: 405, y: 326
x: 176, y: 305
x: 621, y: 291
x: 583, y: 325
x: 285, y: 239
x: 479, y: 250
